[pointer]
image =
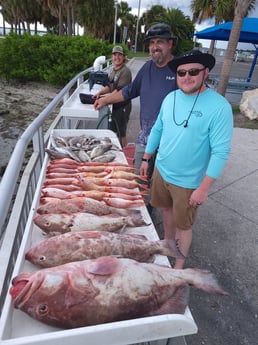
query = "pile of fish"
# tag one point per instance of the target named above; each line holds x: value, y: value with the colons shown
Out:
x: 91, y: 271
x: 82, y: 148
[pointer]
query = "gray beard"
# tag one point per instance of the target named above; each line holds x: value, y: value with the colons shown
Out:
x: 158, y: 60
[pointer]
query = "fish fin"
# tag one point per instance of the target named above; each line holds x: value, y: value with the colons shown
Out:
x: 103, y: 266
x: 122, y: 230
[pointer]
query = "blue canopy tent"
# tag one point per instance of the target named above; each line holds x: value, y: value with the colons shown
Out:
x: 221, y: 32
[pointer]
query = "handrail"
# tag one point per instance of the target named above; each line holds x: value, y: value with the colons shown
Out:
x: 7, y: 185
x: 18, y: 184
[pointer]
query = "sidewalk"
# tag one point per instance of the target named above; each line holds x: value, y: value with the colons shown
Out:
x: 225, y: 241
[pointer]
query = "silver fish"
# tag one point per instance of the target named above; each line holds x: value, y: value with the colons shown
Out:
x: 83, y: 156
x: 106, y: 289
x: 62, y: 152
x: 105, y: 158
x: 99, y: 150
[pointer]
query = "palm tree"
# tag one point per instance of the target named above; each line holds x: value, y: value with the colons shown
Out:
x: 241, y: 10
x: 123, y: 13
x: 96, y: 17
x: 182, y: 28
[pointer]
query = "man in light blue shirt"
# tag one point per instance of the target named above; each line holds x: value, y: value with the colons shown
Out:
x: 192, y: 133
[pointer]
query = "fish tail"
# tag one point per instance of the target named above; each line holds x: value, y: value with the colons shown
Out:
x: 135, y: 218
x: 170, y: 248
x: 204, y: 280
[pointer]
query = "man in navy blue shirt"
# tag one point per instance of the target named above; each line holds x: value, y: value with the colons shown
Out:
x: 152, y: 83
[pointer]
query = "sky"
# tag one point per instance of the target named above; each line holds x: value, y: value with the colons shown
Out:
x: 184, y: 6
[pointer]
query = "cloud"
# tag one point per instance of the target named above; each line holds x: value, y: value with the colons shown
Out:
x: 146, y: 4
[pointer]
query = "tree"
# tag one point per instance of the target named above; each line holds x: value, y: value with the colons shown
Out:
x: 123, y: 13
x: 96, y: 17
x: 241, y: 11
x: 182, y: 28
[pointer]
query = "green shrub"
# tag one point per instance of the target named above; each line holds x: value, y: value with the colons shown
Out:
x: 49, y: 58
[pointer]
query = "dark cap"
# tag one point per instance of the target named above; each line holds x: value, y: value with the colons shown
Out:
x: 160, y: 30
x: 192, y: 56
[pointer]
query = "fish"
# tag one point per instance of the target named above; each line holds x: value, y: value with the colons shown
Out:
x: 99, y: 150
x: 65, y: 187
x: 59, y: 170
x: 62, y: 194
x: 94, y: 194
x: 56, y: 223
x: 68, y: 161
x: 116, y: 182
x: 122, y: 203
x: 101, y: 168
x: 84, y: 245
x: 60, y: 180
x: 62, y: 152
x: 105, y: 158
x: 73, y: 205
x: 83, y: 156
x: 107, y: 289
x: 82, y: 148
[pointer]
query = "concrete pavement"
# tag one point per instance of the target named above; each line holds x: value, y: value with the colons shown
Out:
x: 225, y: 241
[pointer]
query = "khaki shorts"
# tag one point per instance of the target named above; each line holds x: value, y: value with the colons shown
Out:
x: 164, y: 194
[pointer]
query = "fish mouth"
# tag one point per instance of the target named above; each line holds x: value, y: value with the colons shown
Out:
x: 22, y: 288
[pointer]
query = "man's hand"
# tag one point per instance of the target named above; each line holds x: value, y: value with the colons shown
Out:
x: 99, y: 103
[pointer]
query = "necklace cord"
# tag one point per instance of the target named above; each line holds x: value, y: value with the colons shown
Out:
x: 184, y: 122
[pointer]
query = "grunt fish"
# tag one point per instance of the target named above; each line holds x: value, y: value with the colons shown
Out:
x: 106, y: 289
x: 99, y: 150
x: 85, y: 245
x: 105, y: 158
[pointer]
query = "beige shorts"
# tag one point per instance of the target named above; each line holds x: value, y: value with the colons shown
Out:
x: 164, y: 194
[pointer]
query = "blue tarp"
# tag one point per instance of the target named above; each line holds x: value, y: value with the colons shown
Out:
x: 221, y: 32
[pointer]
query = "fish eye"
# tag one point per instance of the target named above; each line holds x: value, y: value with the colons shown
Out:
x: 43, y: 309
x: 42, y: 258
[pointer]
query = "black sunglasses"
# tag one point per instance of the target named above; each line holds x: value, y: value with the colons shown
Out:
x: 192, y: 72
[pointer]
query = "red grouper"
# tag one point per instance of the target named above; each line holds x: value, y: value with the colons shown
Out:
x: 82, y: 245
x: 106, y: 289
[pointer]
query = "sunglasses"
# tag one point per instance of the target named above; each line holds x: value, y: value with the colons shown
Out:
x: 193, y: 72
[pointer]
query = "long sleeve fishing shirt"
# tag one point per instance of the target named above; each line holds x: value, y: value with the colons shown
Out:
x: 187, y: 153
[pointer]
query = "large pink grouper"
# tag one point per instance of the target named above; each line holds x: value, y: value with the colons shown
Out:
x: 104, y: 290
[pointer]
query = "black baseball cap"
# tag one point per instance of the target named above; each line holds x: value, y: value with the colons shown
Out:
x: 192, y: 56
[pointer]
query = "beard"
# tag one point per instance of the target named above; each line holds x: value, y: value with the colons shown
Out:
x: 158, y: 59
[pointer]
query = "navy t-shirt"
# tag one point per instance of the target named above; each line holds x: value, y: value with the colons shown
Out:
x: 152, y: 84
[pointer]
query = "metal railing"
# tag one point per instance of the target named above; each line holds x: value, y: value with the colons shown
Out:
x: 20, y: 180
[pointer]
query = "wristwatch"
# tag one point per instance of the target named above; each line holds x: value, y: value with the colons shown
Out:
x: 145, y: 160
